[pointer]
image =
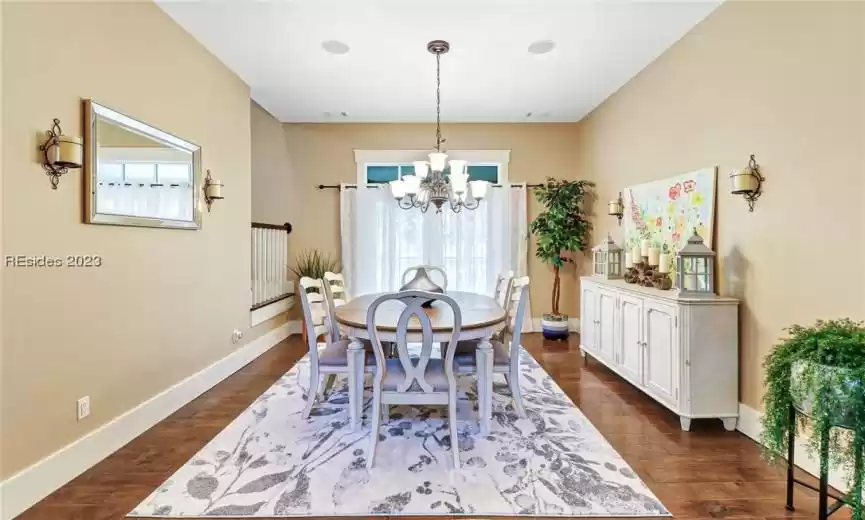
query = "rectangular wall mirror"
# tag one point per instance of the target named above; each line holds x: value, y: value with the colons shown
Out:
x: 138, y: 175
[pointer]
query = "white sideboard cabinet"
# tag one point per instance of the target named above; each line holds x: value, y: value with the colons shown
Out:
x: 683, y: 352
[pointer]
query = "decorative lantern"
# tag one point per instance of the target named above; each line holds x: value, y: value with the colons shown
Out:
x: 607, y: 259
x: 695, y: 269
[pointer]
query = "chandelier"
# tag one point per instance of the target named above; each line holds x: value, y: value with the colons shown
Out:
x: 429, y: 185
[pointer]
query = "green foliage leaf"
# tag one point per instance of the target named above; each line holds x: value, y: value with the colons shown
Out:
x: 313, y: 264
x: 826, y: 364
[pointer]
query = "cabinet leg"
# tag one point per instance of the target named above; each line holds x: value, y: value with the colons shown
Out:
x: 685, y: 422
x: 730, y: 423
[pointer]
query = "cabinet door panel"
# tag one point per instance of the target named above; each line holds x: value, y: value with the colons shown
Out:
x: 631, y: 353
x: 587, y: 318
x: 606, y: 325
x: 662, y: 371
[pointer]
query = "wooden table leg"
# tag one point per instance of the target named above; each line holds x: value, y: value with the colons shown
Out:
x: 484, y: 359
x: 355, y: 382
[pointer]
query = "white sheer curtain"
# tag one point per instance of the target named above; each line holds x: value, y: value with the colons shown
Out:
x: 380, y: 240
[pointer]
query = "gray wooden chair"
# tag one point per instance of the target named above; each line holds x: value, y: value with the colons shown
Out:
x: 401, y: 380
x: 506, y: 352
x: 328, y: 358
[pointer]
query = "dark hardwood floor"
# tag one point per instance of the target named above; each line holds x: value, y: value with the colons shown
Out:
x: 705, y: 473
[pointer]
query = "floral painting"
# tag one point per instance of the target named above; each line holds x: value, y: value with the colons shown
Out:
x: 668, y: 211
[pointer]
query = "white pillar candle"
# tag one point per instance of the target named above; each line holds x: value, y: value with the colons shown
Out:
x: 664, y: 262
x: 628, y: 261
x: 214, y: 190
x: 644, y: 247
x: 654, y: 254
x: 636, y: 257
x: 743, y: 181
x: 68, y: 151
x: 690, y: 282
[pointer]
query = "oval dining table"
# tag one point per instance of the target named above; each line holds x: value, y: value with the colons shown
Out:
x: 482, y: 317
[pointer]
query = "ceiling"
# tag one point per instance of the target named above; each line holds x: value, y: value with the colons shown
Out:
x: 388, y: 75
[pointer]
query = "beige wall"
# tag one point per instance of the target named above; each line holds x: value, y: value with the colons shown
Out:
x: 164, y: 303
x: 276, y: 188
x: 324, y: 154
x: 783, y: 80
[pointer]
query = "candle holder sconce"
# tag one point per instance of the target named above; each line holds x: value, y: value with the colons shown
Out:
x: 60, y: 153
x: 616, y: 208
x: 748, y: 182
x: 212, y: 190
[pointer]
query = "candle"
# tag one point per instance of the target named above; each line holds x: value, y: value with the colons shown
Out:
x: 636, y: 257
x: 690, y: 282
x: 628, y: 261
x: 615, y: 208
x: 644, y: 247
x: 743, y: 182
x: 664, y: 263
x: 654, y: 254
x: 214, y: 190
x: 68, y: 151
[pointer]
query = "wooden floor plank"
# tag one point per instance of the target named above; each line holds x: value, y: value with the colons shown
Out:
x: 707, y: 473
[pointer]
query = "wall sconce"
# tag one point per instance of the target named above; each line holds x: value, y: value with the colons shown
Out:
x: 60, y: 153
x: 748, y: 182
x: 617, y: 208
x: 212, y: 190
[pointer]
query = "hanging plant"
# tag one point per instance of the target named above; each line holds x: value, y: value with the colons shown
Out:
x: 820, y: 370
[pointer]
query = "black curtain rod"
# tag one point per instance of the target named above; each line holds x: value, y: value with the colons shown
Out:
x: 354, y: 186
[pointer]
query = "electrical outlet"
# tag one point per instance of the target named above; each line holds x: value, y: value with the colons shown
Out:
x: 83, y: 407
x: 236, y: 336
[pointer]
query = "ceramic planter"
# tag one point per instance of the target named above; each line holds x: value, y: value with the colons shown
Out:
x: 804, y: 395
x: 555, y: 326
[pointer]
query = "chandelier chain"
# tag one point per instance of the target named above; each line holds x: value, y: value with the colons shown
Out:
x: 438, y: 102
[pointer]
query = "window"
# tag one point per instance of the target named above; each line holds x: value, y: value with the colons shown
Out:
x: 384, y: 173
x: 472, y: 246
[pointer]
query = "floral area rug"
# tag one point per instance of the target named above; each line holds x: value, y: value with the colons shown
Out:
x: 271, y: 462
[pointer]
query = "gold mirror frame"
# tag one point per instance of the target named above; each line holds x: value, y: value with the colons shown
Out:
x: 91, y: 216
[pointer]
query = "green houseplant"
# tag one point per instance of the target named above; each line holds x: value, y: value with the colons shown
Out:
x: 820, y: 370
x: 562, y: 228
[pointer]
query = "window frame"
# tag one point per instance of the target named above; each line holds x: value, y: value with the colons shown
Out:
x: 365, y: 158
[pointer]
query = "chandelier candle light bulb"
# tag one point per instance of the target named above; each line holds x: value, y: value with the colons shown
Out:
x: 412, y: 184
x: 420, y: 169
x: 479, y: 189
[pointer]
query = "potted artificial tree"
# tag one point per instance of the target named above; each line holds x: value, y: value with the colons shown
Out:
x: 820, y: 372
x: 562, y: 229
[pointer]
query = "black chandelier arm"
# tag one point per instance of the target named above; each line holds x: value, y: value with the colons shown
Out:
x: 471, y: 206
x: 407, y: 202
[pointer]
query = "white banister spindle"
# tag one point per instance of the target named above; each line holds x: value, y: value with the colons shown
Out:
x: 269, y: 257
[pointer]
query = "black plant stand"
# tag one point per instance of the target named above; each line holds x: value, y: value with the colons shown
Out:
x: 823, y: 488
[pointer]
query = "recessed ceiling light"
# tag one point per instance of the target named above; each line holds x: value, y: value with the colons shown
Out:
x: 327, y: 114
x: 542, y: 47
x: 528, y: 114
x: 343, y: 114
x: 335, y: 47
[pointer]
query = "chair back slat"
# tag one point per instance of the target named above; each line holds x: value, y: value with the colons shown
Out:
x: 315, y: 313
x: 433, y: 268
x: 502, y: 291
x: 335, y: 295
x: 516, y: 314
x: 415, y: 372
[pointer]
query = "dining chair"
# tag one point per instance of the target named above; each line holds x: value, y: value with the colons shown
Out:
x: 422, y: 380
x: 335, y: 295
x: 406, y: 274
x: 502, y: 291
x: 330, y: 357
x: 506, y: 351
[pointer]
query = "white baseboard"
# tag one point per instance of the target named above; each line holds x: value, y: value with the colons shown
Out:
x: 24, y: 489
x: 749, y: 425
x: 573, y: 324
x: 269, y: 311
